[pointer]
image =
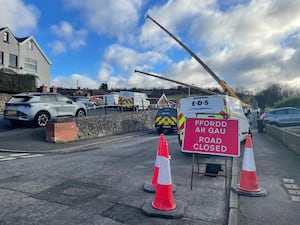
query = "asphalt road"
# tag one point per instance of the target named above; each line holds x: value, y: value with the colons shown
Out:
x: 105, y: 186
x: 103, y: 183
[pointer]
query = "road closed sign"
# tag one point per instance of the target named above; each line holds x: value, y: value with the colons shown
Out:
x: 211, y: 136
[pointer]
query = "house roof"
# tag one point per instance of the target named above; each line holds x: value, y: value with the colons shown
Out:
x: 23, y: 40
x: 163, y: 101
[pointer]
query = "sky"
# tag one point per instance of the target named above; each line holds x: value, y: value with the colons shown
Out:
x: 250, y: 44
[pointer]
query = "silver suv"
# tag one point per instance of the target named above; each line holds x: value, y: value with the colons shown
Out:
x: 40, y: 108
x: 282, y: 116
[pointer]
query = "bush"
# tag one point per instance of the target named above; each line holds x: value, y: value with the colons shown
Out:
x: 289, y: 102
x: 16, y: 83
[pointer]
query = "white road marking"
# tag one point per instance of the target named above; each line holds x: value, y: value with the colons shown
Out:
x: 18, y: 154
x: 7, y: 159
x: 31, y: 156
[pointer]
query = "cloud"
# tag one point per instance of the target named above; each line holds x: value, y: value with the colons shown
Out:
x: 246, y: 43
x: 174, y: 16
x: 64, y: 30
x: 114, y: 18
x: 104, y: 72
x: 120, y: 62
x: 58, y: 47
x: 134, y: 80
x: 74, y: 81
x: 69, y: 38
x: 21, y: 18
x: 127, y: 58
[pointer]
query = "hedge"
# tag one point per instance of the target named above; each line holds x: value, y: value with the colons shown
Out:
x: 16, y: 83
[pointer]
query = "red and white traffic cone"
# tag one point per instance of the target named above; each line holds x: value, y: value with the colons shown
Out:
x: 163, y: 204
x: 164, y: 199
x: 249, y: 183
x: 151, y: 187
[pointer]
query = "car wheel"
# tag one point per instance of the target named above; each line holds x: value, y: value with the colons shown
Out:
x: 80, y: 113
x: 41, y: 119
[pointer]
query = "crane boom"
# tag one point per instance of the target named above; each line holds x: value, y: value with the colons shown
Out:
x: 178, y: 82
x: 222, y: 83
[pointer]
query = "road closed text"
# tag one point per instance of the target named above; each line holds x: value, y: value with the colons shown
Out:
x: 210, y: 144
x: 211, y: 136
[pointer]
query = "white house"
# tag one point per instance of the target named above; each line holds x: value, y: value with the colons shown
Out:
x: 23, y: 56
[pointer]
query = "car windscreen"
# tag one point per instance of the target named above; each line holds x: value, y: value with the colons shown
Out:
x: 166, y: 112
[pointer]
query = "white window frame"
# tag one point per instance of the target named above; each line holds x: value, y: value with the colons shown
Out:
x: 13, y: 61
x: 6, y: 37
x: 30, y: 45
x: 1, y: 58
x: 30, y: 65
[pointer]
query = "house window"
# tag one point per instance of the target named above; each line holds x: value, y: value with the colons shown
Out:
x: 1, y: 58
x: 30, y: 45
x: 13, y: 60
x: 30, y: 65
x: 6, y: 37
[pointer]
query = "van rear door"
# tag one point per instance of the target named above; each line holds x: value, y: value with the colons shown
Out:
x: 204, y: 105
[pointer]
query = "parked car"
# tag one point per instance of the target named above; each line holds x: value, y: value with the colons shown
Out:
x: 86, y: 101
x: 282, y: 116
x: 40, y: 108
x: 166, y: 120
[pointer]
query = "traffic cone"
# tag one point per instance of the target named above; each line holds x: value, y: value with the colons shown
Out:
x: 151, y: 186
x: 249, y: 182
x: 163, y: 204
x: 157, y: 161
x: 164, y: 199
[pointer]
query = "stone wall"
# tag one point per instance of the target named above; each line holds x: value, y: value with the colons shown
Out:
x: 3, y: 98
x: 98, y: 126
x: 287, y: 137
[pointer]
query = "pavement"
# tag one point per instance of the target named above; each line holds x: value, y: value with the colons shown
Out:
x: 242, y: 210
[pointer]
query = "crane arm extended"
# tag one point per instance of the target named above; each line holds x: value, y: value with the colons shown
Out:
x: 178, y: 82
x: 222, y: 83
